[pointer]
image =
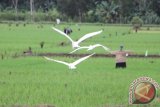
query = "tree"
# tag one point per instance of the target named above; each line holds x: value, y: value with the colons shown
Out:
x: 74, y: 8
x: 32, y: 9
x: 156, y: 6
x: 15, y: 4
x: 136, y: 22
x: 44, y: 5
x: 112, y: 11
x: 109, y: 11
x: 151, y: 18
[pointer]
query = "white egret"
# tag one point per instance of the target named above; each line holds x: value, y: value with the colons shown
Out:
x: 75, y: 44
x: 91, y: 47
x: 70, y: 65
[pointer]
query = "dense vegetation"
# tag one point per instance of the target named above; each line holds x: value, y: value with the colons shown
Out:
x: 108, y: 11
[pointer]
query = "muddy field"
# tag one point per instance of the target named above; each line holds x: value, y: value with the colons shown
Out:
x: 82, y: 55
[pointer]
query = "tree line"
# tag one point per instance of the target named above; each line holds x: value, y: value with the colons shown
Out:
x: 108, y: 11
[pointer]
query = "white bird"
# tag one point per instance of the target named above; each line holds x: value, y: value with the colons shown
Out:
x: 75, y: 44
x: 91, y: 47
x: 70, y: 65
x: 58, y: 21
x: 146, y: 53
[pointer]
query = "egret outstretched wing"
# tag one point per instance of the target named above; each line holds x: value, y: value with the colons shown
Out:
x: 98, y: 45
x: 65, y: 63
x: 59, y: 31
x: 89, y: 35
x: 104, y: 47
x: 82, y: 59
x: 79, y: 49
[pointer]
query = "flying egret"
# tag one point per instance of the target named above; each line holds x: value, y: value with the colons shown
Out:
x: 91, y: 47
x: 70, y: 65
x: 75, y: 44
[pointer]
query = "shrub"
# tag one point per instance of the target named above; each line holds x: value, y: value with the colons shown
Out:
x: 136, y: 22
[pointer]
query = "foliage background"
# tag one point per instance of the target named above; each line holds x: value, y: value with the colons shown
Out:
x: 108, y: 11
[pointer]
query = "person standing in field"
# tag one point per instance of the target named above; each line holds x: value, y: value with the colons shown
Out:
x: 120, y: 57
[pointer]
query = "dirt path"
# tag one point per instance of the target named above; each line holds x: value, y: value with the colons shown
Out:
x: 96, y: 55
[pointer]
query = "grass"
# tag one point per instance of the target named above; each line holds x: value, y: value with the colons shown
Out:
x: 17, y: 39
x: 95, y: 82
x: 36, y: 81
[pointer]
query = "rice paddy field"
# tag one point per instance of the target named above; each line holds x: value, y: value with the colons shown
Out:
x: 31, y: 80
